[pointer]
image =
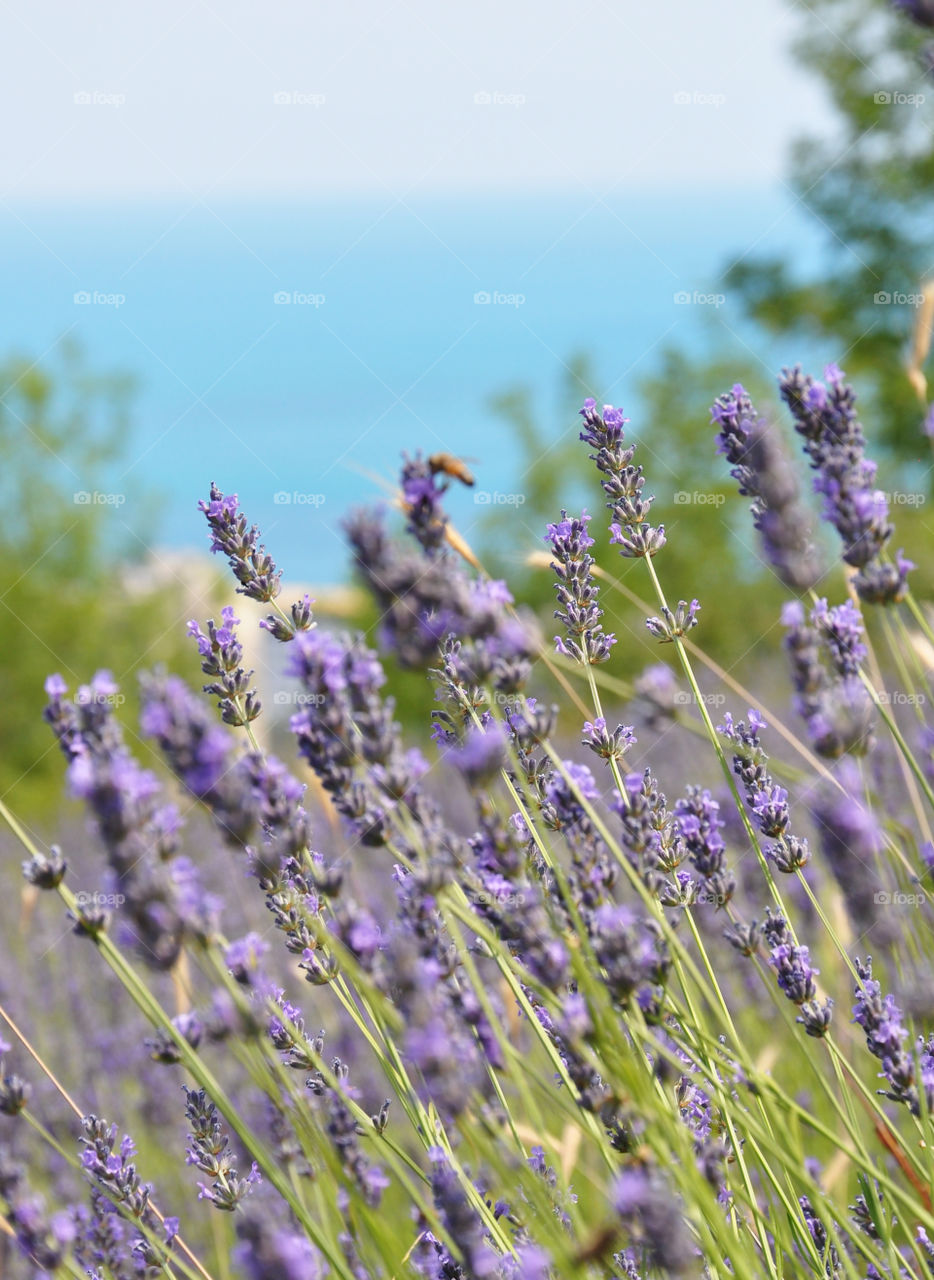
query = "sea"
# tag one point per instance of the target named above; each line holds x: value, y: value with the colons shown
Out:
x: 291, y: 350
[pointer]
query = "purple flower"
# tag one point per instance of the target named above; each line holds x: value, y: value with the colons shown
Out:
x: 825, y: 415
x: 842, y: 631
x: 577, y: 592
x: 460, y: 1219
x: 481, y: 755
x: 242, y: 957
x: 139, y: 831
x: 112, y: 1167
x: 265, y: 1250
x: 767, y: 802
x: 764, y: 473
x: 881, y: 1020
x: 795, y: 972
x: 672, y: 625
x: 610, y: 745
x: 621, y: 482
x: 421, y: 495
x: 45, y: 871
x: 698, y: 822
x: 253, y: 568
x: 818, y: 1233
x: 632, y: 952
x: 793, y: 968
x: 651, y: 1213
x: 829, y: 696
x: 532, y: 1263
x: 424, y: 594
x: 209, y: 1150
x: 650, y: 836
x: 222, y: 658
x: 851, y: 842
x: 202, y: 754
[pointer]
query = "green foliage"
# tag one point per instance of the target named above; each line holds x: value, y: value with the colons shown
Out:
x: 61, y: 432
x: 869, y: 186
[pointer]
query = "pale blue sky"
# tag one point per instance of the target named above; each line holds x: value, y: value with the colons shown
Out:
x: 183, y: 96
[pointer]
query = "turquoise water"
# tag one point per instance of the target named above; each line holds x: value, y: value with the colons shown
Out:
x: 381, y: 346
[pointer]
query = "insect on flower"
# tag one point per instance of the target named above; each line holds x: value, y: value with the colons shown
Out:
x: 446, y: 464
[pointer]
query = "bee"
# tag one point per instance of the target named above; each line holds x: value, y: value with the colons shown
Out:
x: 446, y: 464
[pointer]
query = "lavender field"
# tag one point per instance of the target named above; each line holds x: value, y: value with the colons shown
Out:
x: 556, y: 898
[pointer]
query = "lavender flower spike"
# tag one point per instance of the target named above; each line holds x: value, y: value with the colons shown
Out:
x: 208, y: 1150
x: 764, y: 473
x: 796, y: 974
x: 672, y: 625
x: 825, y: 415
x: 253, y: 568
x: 622, y: 482
x: 222, y: 658
x: 881, y: 1019
x: 422, y: 494
x: 577, y: 592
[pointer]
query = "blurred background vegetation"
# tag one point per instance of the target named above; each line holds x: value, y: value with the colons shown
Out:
x: 68, y: 601
x: 71, y: 602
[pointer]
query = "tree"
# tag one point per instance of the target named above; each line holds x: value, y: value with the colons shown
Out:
x: 870, y: 185
x: 62, y: 597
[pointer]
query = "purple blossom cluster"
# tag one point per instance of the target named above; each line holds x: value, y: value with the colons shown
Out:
x: 825, y: 416
x: 584, y: 639
x: 908, y: 1077
x: 796, y: 974
x: 767, y: 802
x: 137, y: 824
x: 764, y: 473
x: 621, y: 482
x: 424, y: 595
x: 535, y: 1053
x: 826, y: 649
x: 222, y: 659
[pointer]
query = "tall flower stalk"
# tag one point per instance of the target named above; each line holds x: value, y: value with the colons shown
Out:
x: 495, y: 1006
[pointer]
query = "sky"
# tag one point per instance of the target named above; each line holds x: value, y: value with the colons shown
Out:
x: 191, y: 100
